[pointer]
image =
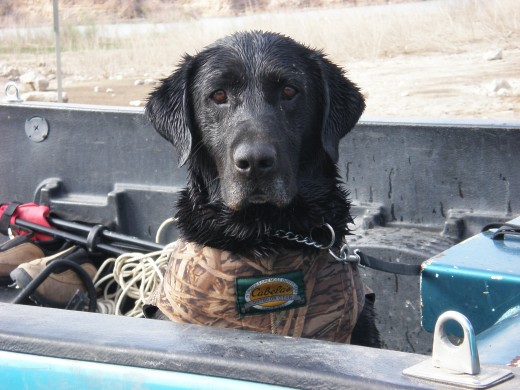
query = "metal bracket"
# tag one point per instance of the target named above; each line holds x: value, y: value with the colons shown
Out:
x: 457, y: 364
x: 12, y: 93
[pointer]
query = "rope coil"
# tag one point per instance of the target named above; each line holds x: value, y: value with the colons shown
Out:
x: 133, y: 276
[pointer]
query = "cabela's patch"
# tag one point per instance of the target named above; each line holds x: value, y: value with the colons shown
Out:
x: 262, y: 294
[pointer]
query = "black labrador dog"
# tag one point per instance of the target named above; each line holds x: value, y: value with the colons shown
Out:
x: 257, y: 118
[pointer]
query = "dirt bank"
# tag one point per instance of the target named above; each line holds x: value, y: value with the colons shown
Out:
x: 436, y: 59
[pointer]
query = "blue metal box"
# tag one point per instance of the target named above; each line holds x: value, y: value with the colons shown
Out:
x: 480, y: 278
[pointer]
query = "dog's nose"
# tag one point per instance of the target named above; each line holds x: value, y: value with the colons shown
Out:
x: 254, y: 158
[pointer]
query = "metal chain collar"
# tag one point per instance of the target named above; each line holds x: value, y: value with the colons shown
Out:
x: 346, y: 254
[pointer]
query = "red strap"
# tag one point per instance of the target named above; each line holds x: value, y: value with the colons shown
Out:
x: 31, y: 212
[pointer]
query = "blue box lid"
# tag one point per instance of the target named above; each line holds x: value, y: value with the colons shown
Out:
x: 479, y: 277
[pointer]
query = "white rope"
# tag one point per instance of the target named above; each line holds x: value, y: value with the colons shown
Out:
x: 135, y: 276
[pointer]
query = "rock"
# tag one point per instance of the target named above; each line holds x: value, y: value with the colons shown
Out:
x: 41, y: 83
x: 34, y: 81
x: 109, y: 90
x: 150, y: 81
x: 500, y: 84
x: 27, y: 79
x: 10, y: 73
x: 137, y: 103
x: 138, y: 82
x: 97, y: 89
x: 38, y: 96
x: 493, y: 55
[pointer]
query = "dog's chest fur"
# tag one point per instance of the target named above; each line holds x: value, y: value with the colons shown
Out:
x: 250, y: 232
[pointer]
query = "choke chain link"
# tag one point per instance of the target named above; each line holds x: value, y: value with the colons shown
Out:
x: 346, y: 254
x: 290, y: 236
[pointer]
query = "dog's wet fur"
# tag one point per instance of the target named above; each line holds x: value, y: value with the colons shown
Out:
x: 257, y: 119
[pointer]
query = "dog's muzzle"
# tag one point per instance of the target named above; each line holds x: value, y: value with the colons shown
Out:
x: 256, y: 173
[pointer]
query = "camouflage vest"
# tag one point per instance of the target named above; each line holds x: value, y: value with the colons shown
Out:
x: 293, y: 294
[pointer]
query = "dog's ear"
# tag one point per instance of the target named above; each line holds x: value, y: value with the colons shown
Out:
x: 344, y: 104
x: 169, y: 111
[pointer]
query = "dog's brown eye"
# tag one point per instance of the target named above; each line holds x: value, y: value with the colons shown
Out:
x: 289, y: 92
x: 219, y: 97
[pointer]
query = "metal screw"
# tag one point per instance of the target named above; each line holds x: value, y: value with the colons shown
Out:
x: 37, y: 129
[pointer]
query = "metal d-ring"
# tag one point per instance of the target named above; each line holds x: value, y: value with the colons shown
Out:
x: 462, y: 358
x: 332, y: 236
x: 12, y: 97
x: 457, y: 365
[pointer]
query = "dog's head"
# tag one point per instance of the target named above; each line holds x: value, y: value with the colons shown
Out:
x: 264, y: 109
